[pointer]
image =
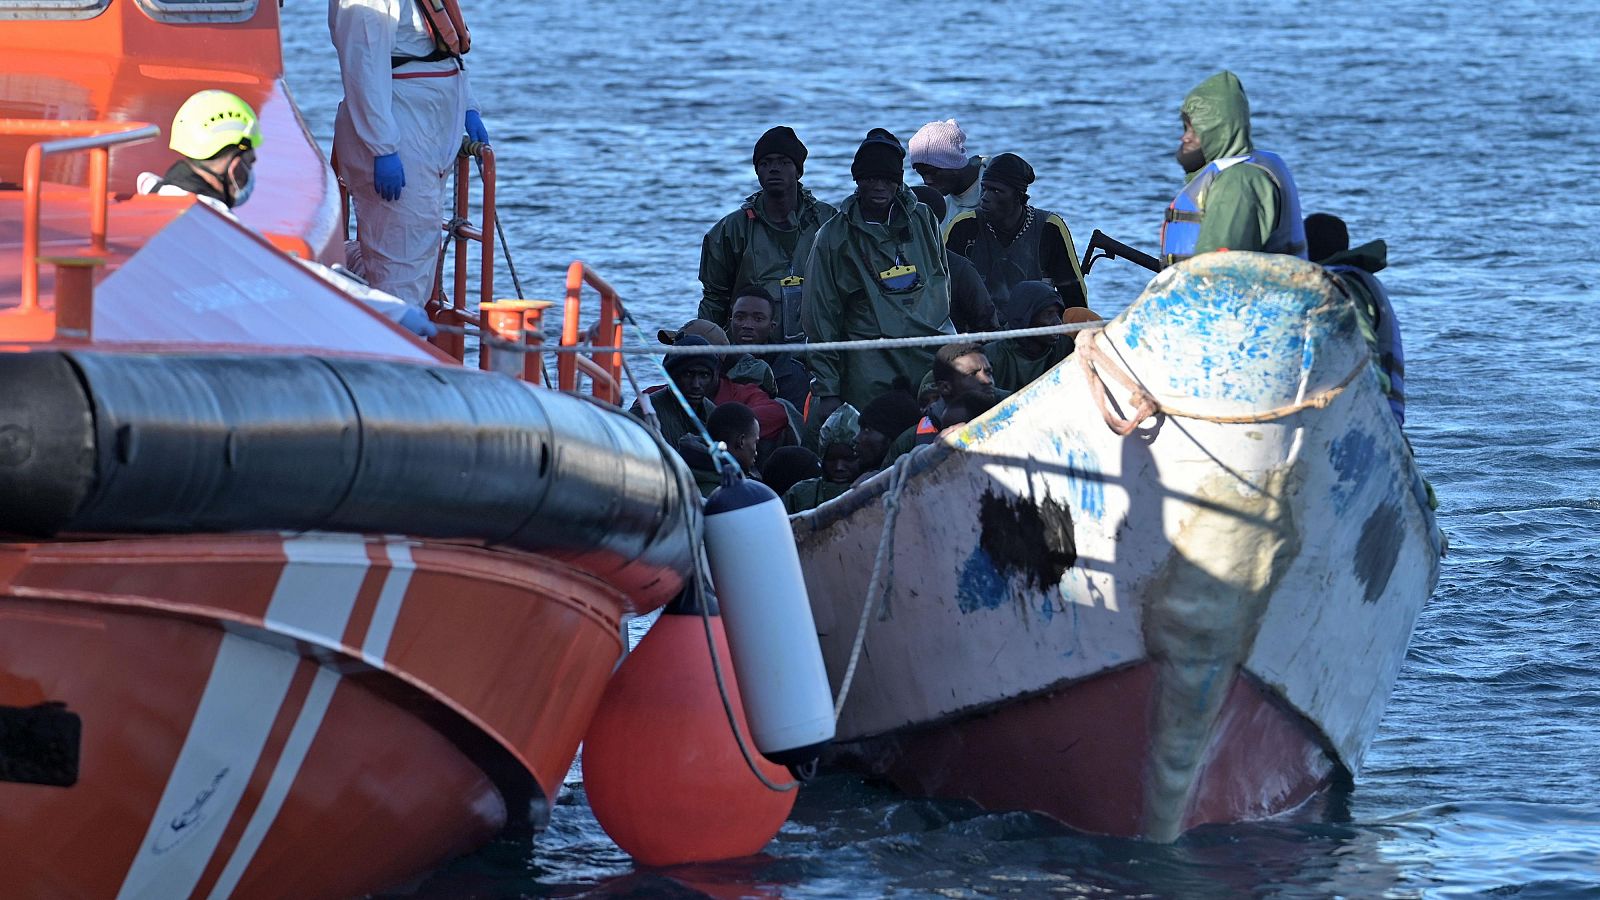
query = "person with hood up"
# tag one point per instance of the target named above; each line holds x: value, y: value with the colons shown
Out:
x: 1016, y: 362
x: 741, y: 379
x: 938, y: 153
x: 1011, y: 242
x: 841, y: 464
x: 696, y: 378
x: 1237, y: 197
x: 766, y: 240
x: 1356, y: 268
x: 397, y: 134
x: 877, y: 270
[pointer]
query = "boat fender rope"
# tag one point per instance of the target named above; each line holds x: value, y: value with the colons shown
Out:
x: 882, y: 575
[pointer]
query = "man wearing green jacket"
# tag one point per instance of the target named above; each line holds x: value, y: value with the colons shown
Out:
x: 1237, y: 196
x: 877, y: 269
x: 765, y: 241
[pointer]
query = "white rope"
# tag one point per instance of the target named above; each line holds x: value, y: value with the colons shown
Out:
x: 930, y: 340
x: 881, y: 580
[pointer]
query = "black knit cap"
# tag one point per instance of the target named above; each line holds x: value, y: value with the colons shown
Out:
x: 676, y: 362
x: 1009, y: 169
x: 879, y: 156
x: 891, y: 413
x: 782, y: 140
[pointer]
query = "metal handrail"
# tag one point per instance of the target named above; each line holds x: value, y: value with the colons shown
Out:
x: 606, y: 374
x: 97, y: 137
x: 461, y: 231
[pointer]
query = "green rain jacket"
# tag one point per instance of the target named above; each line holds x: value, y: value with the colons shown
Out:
x: 846, y: 299
x: 1242, y: 204
x: 746, y: 247
x: 812, y: 493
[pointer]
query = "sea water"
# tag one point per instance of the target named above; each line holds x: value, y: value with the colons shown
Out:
x: 1462, y: 134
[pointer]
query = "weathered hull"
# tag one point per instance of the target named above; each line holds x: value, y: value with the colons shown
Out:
x: 1202, y: 621
x: 309, y: 716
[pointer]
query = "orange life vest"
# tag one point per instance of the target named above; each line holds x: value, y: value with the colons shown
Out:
x: 449, y: 29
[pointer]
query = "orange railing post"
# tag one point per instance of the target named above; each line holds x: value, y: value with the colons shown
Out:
x: 606, y: 373
x: 72, y: 136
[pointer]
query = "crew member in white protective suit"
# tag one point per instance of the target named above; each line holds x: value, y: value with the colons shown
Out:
x: 398, y: 131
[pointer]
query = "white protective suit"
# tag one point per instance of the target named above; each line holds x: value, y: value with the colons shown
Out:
x: 416, y: 110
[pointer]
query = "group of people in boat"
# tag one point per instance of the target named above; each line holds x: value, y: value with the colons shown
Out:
x: 963, y: 253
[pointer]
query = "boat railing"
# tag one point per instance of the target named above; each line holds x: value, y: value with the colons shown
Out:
x: 70, y: 136
x: 603, y: 368
x: 453, y: 310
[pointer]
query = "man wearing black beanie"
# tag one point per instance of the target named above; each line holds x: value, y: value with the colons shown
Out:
x: 1011, y: 242
x: 765, y: 241
x: 877, y: 269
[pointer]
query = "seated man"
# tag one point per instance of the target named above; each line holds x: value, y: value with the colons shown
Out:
x: 840, y: 464
x: 957, y: 369
x: 742, y: 379
x: 788, y: 466
x: 1018, y: 361
x: 694, y: 376
x: 884, y: 419
x: 734, y: 426
x: 752, y: 323
x: 217, y: 134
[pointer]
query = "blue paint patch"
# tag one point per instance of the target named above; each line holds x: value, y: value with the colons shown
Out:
x: 981, y: 586
x: 1353, y: 456
x: 1132, y: 334
x: 1083, y: 473
x: 1047, y: 607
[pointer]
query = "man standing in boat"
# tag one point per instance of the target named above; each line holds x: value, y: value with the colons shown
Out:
x: 766, y: 240
x: 938, y: 153
x: 1011, y: 242
x: 1237, y: 197
x: 398, y: 130
x: 877, y: 270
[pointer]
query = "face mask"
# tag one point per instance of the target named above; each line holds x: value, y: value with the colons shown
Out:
x: 243, y: 182
x: 242, y: 194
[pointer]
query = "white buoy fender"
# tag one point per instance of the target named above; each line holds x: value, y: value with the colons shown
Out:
x: 767, y: 614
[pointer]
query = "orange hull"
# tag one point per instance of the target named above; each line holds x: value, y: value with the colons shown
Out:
x: 316, y: 715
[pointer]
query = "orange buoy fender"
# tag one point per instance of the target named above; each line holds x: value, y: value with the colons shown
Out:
x: 664, y: 775
x: 762, y: 592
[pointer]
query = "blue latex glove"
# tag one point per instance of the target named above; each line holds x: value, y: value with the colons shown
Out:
x: 388, y: 176
x: 416, y: 321
x: 475, y: 129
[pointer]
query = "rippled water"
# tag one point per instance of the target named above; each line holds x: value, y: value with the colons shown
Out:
x: 1463, y: 135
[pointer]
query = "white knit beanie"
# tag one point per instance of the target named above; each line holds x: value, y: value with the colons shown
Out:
x: 942, y: 145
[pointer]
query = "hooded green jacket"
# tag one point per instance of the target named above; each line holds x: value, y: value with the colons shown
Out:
x: 812, y: 493
x: 746, y: 247
x: 1242, y: 204
x: 845, y: 300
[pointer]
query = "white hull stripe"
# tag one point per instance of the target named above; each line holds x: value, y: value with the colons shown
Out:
x: 248, y: 682
x: 283, y: 776
x: 390, y: 600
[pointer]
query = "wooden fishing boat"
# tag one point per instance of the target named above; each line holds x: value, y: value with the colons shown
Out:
x: 1194, y: 614
x: 291, y: 604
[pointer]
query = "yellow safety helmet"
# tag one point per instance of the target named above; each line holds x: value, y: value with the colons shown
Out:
x: 210, y: 121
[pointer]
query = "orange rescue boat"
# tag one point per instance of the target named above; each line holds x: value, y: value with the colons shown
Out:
x: 291, y: 603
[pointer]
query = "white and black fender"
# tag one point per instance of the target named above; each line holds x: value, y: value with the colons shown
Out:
x: 767, y: 614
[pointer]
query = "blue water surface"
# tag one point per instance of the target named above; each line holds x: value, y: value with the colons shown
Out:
x: 1463, y: 134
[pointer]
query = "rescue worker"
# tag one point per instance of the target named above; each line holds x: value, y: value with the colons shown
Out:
x: 751, y: 323
x: 970, y: 306
x: 877, y: 269
x: 216, y: 134
x: 841, y: 465
x: 398, y: 132
x: 765, y: 241
x: 1356, y: 268
x: 938, y: 153
x: 1011, y: 242
x: 1016, y: 362
x: 1237, y: 197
